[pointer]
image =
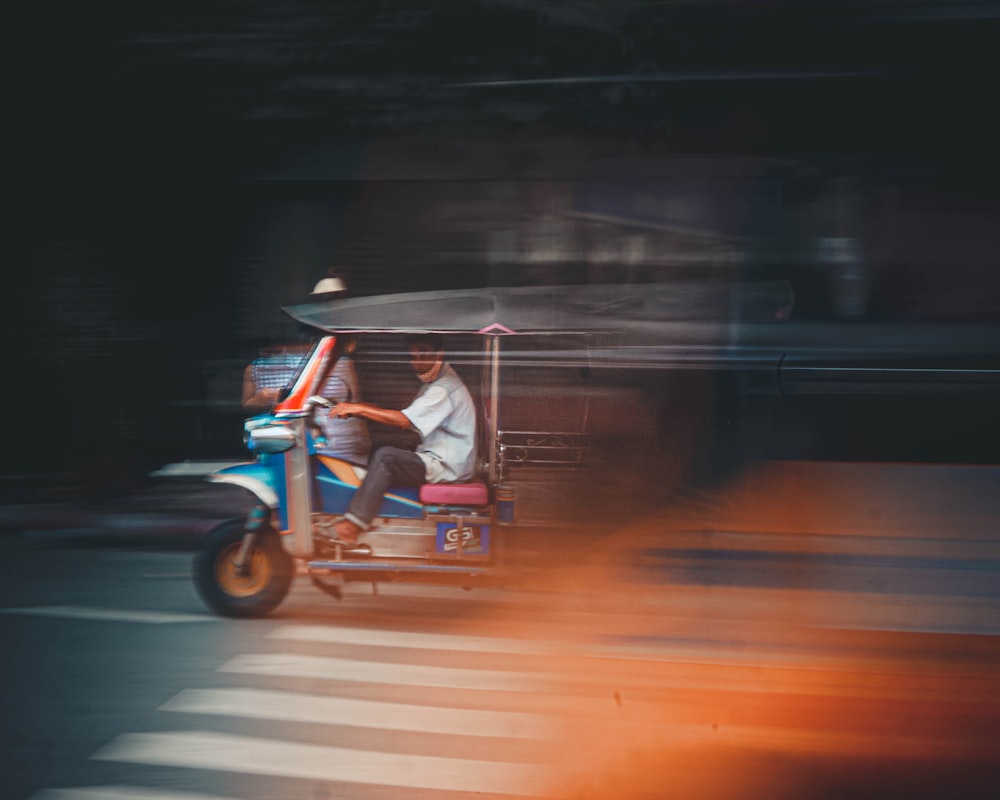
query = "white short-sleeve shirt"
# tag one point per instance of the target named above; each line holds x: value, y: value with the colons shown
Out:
x: 444, y: 415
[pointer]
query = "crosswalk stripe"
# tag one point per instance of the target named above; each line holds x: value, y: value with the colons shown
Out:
x: 296, y: 707
x: 257, y: 756
x: 121, y: 793
x: 427, y: 641
x: 108, y: 614
x: 301, y: 666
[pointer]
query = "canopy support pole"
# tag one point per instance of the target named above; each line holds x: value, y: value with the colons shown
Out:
x: 493, y: 348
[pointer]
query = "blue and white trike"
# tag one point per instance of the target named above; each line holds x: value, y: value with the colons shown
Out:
x: 446, y: 533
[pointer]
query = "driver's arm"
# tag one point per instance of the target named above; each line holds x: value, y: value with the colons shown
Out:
x: 385, y: 416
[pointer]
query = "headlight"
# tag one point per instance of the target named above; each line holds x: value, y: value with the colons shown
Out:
x: 270, y: 439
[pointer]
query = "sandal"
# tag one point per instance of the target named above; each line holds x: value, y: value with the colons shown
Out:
x: 347, y: 538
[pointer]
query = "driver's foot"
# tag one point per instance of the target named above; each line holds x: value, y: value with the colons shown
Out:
x: 346, y: 532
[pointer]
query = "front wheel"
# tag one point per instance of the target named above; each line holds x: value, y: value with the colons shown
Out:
x: 227, y: 590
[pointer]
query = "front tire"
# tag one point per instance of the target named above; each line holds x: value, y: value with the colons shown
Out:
x: 231, y: 594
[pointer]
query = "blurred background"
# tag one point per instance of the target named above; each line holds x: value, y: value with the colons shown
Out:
x: 182, y: 170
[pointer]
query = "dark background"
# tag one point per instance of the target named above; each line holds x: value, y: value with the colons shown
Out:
x: 167, y: 156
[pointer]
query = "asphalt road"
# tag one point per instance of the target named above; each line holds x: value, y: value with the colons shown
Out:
x: 621, y: 677
x: 99, y: 638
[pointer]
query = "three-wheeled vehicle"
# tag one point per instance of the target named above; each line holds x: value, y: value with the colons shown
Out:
x: 443, y: 533
x: 457, y: 534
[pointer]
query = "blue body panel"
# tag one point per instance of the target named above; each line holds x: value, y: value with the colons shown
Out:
x: 333, y: 496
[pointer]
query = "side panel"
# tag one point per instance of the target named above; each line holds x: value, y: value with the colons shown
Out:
x: 334, y: 490
x: 403, y: 502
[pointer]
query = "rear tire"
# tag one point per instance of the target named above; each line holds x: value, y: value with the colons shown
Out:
x: 230, y: 594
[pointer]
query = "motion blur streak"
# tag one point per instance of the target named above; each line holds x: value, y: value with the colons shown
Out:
x: 812, y: 630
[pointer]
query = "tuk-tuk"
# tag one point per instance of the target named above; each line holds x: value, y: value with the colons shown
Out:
x: 456, y: 534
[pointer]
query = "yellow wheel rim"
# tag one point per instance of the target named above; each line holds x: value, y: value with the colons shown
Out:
x: 235, y: 584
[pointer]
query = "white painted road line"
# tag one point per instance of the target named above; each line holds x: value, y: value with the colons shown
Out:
x: 426, y: 641
x: 298, y: 666
x: 255, y: 756
x: 121, y: 793
x: 296, y: 707
x: 109, y: 614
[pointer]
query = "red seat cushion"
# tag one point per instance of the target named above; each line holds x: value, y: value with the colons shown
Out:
x: 455, y: 494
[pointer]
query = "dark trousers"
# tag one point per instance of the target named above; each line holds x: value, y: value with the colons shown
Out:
x: 388, y: 466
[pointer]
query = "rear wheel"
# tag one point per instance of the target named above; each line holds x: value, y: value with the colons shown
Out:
x: 231, y: 592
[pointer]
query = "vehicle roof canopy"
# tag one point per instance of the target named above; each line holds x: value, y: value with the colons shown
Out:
x: 533, y: 309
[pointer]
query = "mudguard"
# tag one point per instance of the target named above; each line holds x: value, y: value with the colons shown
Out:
x: 256, y: 478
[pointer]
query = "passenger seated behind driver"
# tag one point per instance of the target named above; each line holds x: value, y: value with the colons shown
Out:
x: 268, y: 374
x: 444, y: 415
x: 343, y: 437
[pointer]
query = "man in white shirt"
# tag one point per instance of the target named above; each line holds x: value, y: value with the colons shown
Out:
x: 444, y: 415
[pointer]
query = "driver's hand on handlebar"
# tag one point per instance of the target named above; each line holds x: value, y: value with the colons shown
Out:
x: 342, y: 410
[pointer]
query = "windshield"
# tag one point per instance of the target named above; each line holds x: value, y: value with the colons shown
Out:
x: 278, y: 367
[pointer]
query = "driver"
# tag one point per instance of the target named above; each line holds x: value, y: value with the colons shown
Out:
x: 444, y: 416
